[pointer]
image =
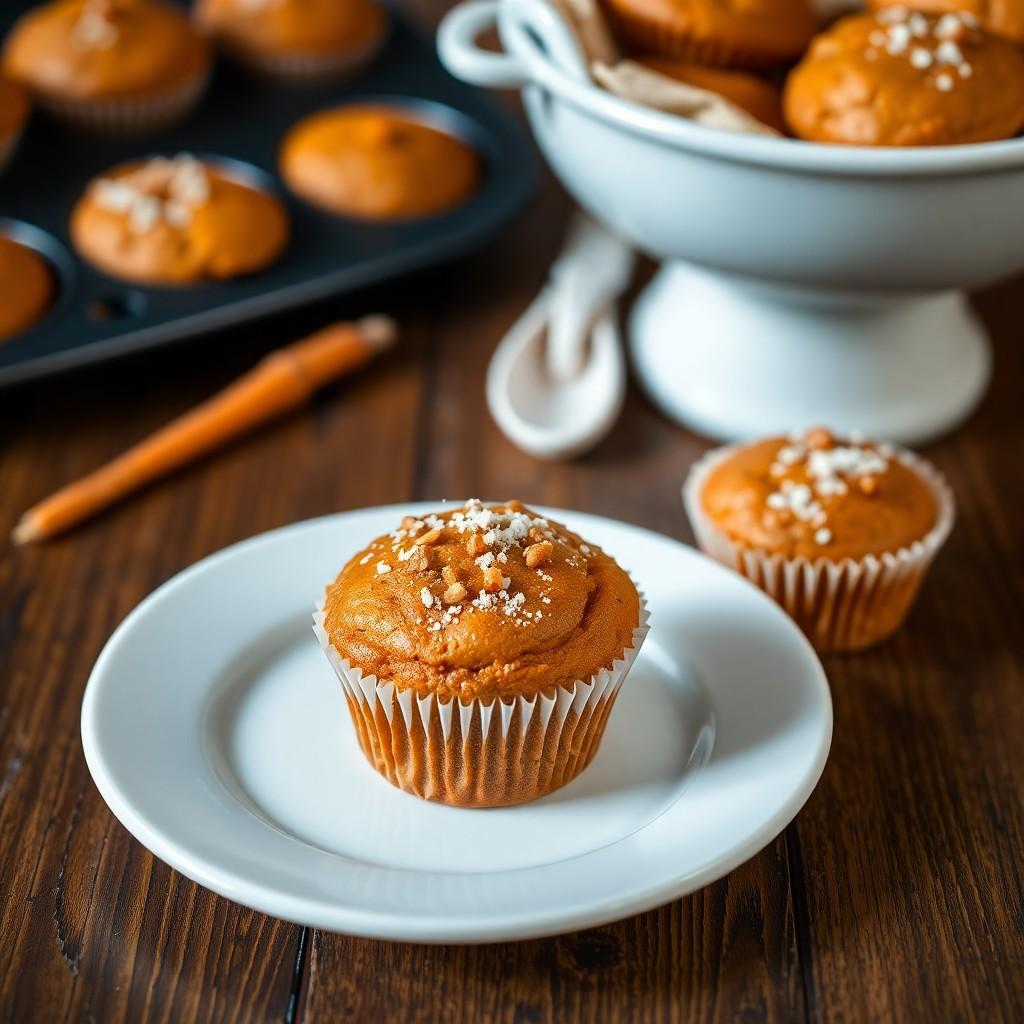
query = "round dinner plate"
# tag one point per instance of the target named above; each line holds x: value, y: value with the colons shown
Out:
x: 219, y: 736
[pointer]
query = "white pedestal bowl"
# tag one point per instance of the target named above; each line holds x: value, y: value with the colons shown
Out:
x: 800, y: 283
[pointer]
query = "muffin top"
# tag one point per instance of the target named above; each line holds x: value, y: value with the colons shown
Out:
x: 13, y: 108
x: 815, y: 496
x: 26, y: 287
x: 481, y: 602
x: 1003, y: 18
x: 177, y: 221
x: 759, y: 98
x: 377, y: 162
x: 293, y: 26
x: 729, y: 33
x: 896, y: 78
x: 104, y: 49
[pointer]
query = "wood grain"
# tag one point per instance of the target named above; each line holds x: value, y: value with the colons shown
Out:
x: 896, y: 895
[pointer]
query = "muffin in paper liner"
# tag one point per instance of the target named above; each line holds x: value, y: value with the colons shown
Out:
x: 127, y: 115
x: 840, y: 606
x: 480, y: 754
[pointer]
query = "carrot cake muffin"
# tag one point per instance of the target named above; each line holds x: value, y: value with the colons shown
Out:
x: 14, y: 109
x: 109, y: 65
x: 480, y: 651
x: 759, y: 98
x: 1002, y: 19
x: 839, y: 532
x: 728, y: 33
x: 379, y: 163
x: 177, y: 221
x: 900, y: 78
x: 26, y: 287
x: 301, y: 39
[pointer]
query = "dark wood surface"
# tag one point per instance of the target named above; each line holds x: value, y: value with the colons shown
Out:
x: 896, y: 894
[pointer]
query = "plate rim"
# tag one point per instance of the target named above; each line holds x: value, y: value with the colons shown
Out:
x: 387, y: 925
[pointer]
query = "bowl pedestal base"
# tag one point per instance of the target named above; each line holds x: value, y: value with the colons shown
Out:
x: 735, y: 358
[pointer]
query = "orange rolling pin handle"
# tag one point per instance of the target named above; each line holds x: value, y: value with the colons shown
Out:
x: 282, y: 381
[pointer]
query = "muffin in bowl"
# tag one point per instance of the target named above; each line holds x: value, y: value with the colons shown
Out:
x: 301, y: 40
x: 378, y: 162
x: 117, y: 66
x: 177, y: 221
x: 839, y: 532
x: 480, y: 651
x: 902, y: 78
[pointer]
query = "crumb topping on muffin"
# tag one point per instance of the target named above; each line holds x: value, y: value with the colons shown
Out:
x: 162, y: 189
x: 929, y: 45
x: 815, y: 495
x: 482, y: 600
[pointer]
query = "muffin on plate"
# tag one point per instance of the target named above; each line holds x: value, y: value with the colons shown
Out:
x: 296, y: 39
x: 109, y: 65
x: 758, y: 97
x: 1002, y: 19
x: 26, y: 287
x: 378, y: 162
x: 901, y: 78
x: 480, y: 651
x: 177, y: 221
x: 838, y: 532
x: 727, y: 33
x: 14, y: 109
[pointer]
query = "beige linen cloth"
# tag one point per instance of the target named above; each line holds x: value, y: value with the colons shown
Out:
x: 635, y: 82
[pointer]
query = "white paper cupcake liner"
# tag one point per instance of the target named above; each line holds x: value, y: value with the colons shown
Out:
x: 305, y: 68
x: 840, y: 606
x: 127, y: 116
x: 480, y: 754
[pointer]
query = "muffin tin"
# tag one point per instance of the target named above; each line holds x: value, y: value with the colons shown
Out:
x: 240, y: 123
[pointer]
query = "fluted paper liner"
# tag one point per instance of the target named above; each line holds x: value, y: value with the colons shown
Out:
x: 480, y: 754
x: 840, y: 606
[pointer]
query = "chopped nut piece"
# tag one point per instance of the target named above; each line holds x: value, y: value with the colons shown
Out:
x: 538, y: 554
x: 819, y: 438
x: 430, y: 537
x: 455, y: 594
x: 515, y: 505
x: 868, y: 485
x: 419, y: 561
x: 492, y: 580
x: 476, y: 545
x: 449, y: 575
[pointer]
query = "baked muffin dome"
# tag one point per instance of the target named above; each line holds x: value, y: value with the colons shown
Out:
x: 177, y: 221
x: 481, y: 603
x: 116, y: 64
x: 899, y: 78
x: 296, y: 38
x: 1005, y: 18
x: 26, y: 287
x: 377, y: 162
x: 758, y: 97
x: 726, y: 33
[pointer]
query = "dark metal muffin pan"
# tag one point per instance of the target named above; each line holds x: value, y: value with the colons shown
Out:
x: 242, y: 120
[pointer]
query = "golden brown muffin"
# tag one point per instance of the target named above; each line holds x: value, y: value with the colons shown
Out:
x: 296, y: 38
x: 177, y: 221
x: 469, y: 612
x: 726, y: 33
x: 26, y: 287
x: 379, y: 163
x: 839, y: 533
x: 760, y: 99
x: 1003, y: 18
x: 117, y: 65
x: 896, y: 78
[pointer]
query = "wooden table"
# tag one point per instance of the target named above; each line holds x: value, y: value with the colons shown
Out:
x: 896, y: 895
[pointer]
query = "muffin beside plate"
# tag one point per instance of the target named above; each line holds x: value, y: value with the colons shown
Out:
x: 480, y: 651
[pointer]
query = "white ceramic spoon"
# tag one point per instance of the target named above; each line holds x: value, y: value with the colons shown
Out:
x: 557, y: 380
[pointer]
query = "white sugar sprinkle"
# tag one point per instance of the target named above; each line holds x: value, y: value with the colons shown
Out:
x: 382, y: 568
x: 823, y: 536
x: 944, y: 82
x: 427, y: 598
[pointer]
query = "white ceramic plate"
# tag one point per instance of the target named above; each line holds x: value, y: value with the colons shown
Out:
x: 218, y: 735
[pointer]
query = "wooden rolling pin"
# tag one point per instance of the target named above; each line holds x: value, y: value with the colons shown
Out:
x: 282, y: 381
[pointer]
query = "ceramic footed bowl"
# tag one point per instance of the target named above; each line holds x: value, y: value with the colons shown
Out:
x: 802, y: 282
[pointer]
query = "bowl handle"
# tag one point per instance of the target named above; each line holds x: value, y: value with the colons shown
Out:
x: 459, y: 53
